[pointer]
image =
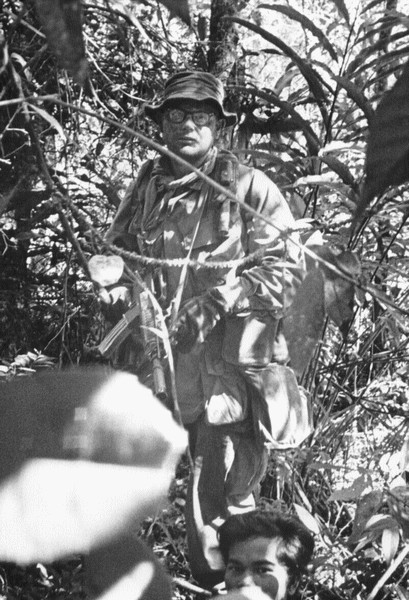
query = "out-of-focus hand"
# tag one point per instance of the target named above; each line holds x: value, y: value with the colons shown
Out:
x: 102, y: 453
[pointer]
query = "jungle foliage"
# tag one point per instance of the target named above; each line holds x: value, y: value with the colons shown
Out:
x: 321, y: 89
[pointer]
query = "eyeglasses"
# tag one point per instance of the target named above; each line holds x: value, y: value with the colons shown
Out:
x: 199, y: 117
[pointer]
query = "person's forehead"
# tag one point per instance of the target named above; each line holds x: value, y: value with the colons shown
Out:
x: 255, y: 549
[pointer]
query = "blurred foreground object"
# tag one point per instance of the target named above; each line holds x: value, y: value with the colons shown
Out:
x: 249, y: 593
x: 84, y: 455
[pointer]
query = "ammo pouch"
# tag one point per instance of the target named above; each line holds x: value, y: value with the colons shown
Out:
x: 250, y: 340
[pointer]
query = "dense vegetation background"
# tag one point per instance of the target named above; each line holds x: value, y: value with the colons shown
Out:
x: 321, y: 90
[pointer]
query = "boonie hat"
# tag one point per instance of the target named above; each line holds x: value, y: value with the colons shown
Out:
x: 192, y: 85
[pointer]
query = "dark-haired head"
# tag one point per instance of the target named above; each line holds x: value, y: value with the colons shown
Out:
x: 295, y: 543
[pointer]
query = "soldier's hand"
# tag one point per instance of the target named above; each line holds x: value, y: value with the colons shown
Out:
x: 196, y: 319
x: 114, y: 302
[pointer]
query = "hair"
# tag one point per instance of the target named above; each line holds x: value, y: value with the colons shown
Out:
x: 296, y: 543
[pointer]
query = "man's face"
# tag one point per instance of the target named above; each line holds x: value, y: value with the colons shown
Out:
x: 254, y: 563
x: 187, y: 139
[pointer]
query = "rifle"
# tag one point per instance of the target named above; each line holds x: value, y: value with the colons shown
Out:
x: 151, y: 342
x: 104, y: 272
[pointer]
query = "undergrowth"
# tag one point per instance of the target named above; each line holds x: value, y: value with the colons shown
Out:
x: 347, y: 483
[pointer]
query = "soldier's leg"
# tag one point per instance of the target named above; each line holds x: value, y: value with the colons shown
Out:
x: 247, y: 468
x: 206, y: 506
x: 229, y: 464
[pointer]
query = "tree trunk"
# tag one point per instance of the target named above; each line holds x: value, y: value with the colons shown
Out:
x: 223, y: 38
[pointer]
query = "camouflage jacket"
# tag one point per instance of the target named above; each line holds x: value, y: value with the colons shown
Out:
x: 158, y: 218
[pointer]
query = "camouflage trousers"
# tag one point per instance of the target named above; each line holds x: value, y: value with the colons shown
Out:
x: 228, y: 465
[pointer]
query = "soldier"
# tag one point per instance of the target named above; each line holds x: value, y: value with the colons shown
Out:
x: 228, y: 324
x: 264, y: 551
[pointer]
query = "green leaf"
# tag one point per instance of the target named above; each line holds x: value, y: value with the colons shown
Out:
x: 398, y: 503
x: 342, y: 9
x: 387, y: 161
x: 382, y: 28
x: 311, y: 137
x: 306, y: 24
x: 359, y: 66
x: 307, y: 518
x: 404, y: 457
x: 378, y: 523
x: 354, y: 491
x: 374, y: 4
x: 357, y: 96
x: 390, y: 543
x: 285, y: 80
x: 373, y: 529
x: 306, y: 70
x: 367, y: 507
x: 340, y: 169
